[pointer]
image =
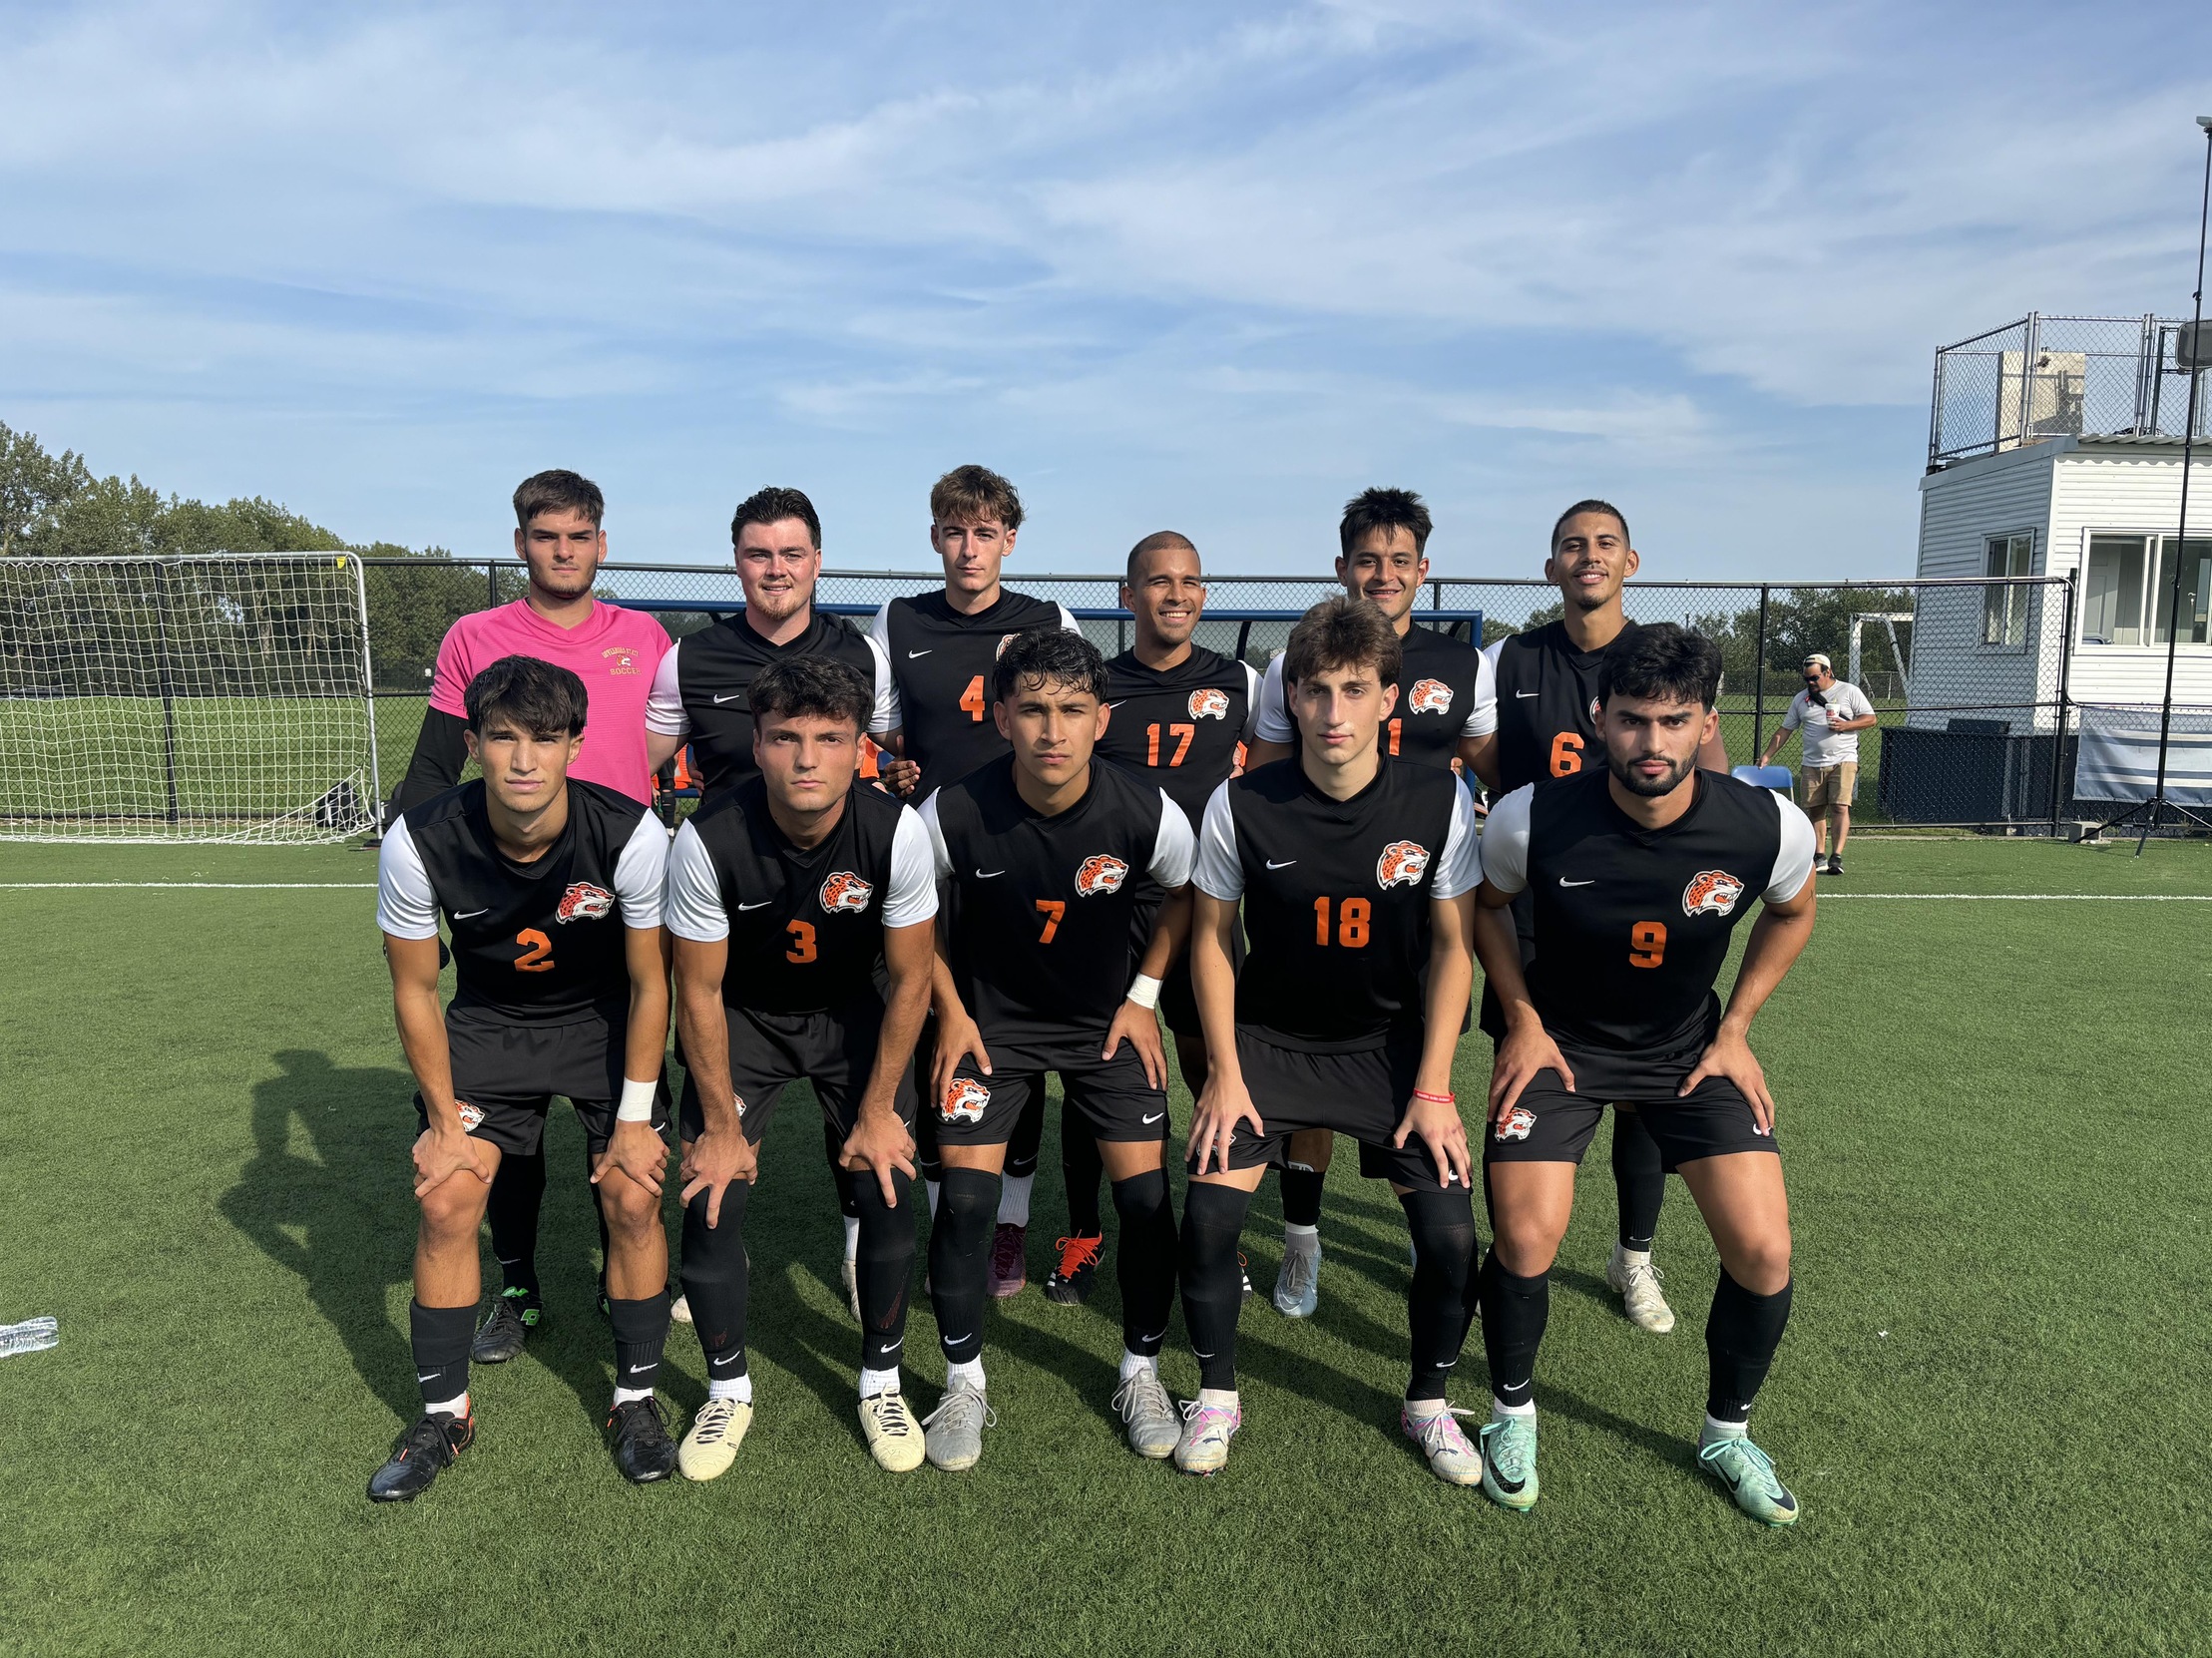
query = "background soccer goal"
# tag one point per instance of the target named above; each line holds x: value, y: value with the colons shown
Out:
x: 219, y: 698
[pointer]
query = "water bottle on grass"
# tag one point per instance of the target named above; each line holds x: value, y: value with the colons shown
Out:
x: 31, y: 1336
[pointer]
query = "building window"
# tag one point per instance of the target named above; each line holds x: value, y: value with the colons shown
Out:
x: 2130, y: 585
x: 2196, y: 588
x: 2004, y: 610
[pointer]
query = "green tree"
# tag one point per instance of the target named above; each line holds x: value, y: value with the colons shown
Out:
x: 34, y: 486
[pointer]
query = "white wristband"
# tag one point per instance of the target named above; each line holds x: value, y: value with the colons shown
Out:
x: 636, y: 1106
x: 1144, y: 990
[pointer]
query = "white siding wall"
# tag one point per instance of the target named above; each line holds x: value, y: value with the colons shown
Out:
x: 1954, y: 675
x: 2133, y: 491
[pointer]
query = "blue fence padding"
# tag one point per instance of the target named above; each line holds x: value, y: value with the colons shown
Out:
x: 1082, y: 612
x: 1764, y: 777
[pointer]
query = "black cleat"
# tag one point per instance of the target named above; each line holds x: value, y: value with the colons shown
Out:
x: 643, y: 1449
x: 1835, y: 865
x: 1077, y: 1272
x: 420, y: 1456
x: 501, y: 1335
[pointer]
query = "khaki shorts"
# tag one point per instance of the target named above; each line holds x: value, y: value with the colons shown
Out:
x: 1827, y: 786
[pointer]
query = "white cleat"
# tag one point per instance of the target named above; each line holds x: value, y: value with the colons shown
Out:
x: 849, y: 1275
x: 1636, y: 1281
x: 680, y: 1309
x: 894, y: 1437
x: 1453, y: 1456
x: 1203, y: 1447
x: 712, y: 1442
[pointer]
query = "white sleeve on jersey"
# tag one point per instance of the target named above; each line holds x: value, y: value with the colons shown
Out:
x: 1272, y: 722
x: 1504, y: 857
x: 1219, y: 872
x: 1251, y: 703
x: 406, y: 908
x: 913, y: 896
x: 1461, y: 868
x: 941, y: 859
x: 885, y: 719
x: 1491, y: 654
x: 664, y: 715
x: 1793, y: 863
x: 695, y: 902
x: 1175, y: 848
x: 1482, y: 716
x: 1067, y: 619
x: 641, y: 873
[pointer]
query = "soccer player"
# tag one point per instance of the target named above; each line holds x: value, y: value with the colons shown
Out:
x: 1445, y: 717
x: 561, y: 539
x: 1640, y: 871
x: 788, y: 896
x: 943, y: 648
x: 1357, y: 875
x: 1547, y: 682
x: 1060, y: 877
x: 551, y: 889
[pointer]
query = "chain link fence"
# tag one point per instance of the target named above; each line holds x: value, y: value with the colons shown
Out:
x: 2061, y: 377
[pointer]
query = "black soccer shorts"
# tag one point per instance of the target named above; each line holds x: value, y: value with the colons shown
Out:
x: 1362, y: 1094
x: 505, y: 1074
x: 1113, y: 1098
x: 835, y: 1051
x: 1548, y: 1124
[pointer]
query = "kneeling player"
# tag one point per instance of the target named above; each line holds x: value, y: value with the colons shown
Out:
x: 1639, y: 873
x: 1356, y: 873
x: 551, y: 889
x: 788, y: 896
x: 1058, y: 873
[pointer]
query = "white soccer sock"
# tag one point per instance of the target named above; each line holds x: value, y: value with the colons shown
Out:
x: 873, y: 1382
x: 1717, y: 1430
x: 852, y: 1237
x: 738, y: 1387
x: 458, y: 1407
x: 1292, y: 1229
x: 1132, y: 1363
x: 1500, y: 1410
x: 1422, y: 1408
x: 969, y: 1374
x: 1220, y: 1398
x: 622, y: 1396
x: 1014, y: 1199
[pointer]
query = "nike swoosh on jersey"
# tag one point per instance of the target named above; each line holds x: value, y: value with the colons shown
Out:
x: 731, y: 697
x: 471, y: 915
x: 1527, y: 694
x: 989, y: 873
x: 762, y: 905
x: 1564, y: 882
x: 911, y: 655
x: 1154, y: 1117
x: 1285, y: 864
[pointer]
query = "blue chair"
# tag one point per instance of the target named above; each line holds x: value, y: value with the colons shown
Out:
x: 1764, y: 777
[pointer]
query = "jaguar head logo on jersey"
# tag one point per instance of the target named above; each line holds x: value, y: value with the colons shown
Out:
x: 470, y: 1115
x: 1402, y: 864
x: 1005, y: 639
x: 847, y: 891
x: 1711, y: 891
x: 1518, y: 1123
x: 1596, y: 714
x: 1210, y: 703
x: 585, y: 902
x: 964, y: 1101
x: 1431, y: 696
x: 1100, y: 873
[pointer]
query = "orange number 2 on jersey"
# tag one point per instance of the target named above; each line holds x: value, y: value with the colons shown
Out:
x: 1647, y: 943
x: 537, y: 953
x: 972, y: 699
x: 803, y: 942
x: 1566, y: 754
x: 1052, y: 909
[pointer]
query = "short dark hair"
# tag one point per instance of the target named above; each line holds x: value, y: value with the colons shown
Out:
x: 1344, y: 633
x: 540, y: 697
x: 773, y: 506
x: 1051, y: 657
x: 1157, y: 540
x: 970, y: 494
x: 1591, y: 506
x: 558, y: 490
x: 821, y: 686
x: 1663, y: 662
x: 1383, y: 508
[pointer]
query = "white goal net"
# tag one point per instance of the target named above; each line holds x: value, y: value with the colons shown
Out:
x: 221, y: 699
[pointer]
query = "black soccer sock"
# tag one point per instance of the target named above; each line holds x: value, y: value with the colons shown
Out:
x: 1082, y: 1168
x: 1302, y: 1194
x: 1028, y: 1139
x: 833, y: 1148
x: 1514, y: 1311
x: 960, y: 1259
x: 511, y: 1208
x: 1212, y: 1282
x: 1144, y: 1262
x: 886, y: 1265
x: 1741, y: 1333
x: 440, y: 1337
x: 640, y: 1332
x: 1640, y: 1179
x: 1442, y: 1228
x: 716, y: 1281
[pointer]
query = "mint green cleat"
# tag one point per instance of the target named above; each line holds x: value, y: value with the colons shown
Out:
x: 1510, y: 1462
x: 1749, y: 1475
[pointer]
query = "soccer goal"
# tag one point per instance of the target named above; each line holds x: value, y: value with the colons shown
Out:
x: 219, y: 699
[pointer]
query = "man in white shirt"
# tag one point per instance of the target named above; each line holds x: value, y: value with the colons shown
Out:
x: 1831, y: 713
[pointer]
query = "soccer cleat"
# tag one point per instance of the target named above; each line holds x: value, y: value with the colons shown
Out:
x: 420, y: 1455
x: 680, y: 1309
x: 710, y: 1444
x: 1203, y: 1445
x: 1835, y: 865
x: 1298, y: 1279
x: 894, y: 1437
x: 501, y: 1335
x: 953, y: 1433
x: 1749, y: 1475
x: 1009, y: 1272
x: 848, y: 1274
x: 1071, y: 1281
x: 643, y: 1449
x: 1154, y: 1424
x: 1453, y: 1458
x: 1636, y: 1281
x: 1244, y: 1274
x: 1510, y: 1462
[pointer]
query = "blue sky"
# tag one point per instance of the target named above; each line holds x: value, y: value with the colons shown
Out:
x: 1206, y: 267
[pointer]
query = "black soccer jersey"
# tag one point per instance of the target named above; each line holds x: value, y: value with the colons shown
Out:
x: 1547, y: 704
x: 538, y: 943
x: 1336, y: 895
x: 1047, y: 917
x: 703, y: 688
x: 1632, y: 924
x: 1444, y: 697
x: 943, y: 664
x: 804, y: 923
x: 1179, y: 727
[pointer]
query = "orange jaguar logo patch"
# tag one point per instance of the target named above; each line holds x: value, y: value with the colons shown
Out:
x: 1711, y: 891
x: 1210, y: 703
x: 585, y: 902
x: 1103, y: 873
x: 1402, y: 864
x: 1431, y: 696
x: 964, y: 1101
x: 847, y: 891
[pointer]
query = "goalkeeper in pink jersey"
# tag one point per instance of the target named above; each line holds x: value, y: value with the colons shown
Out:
x: 615, y: 652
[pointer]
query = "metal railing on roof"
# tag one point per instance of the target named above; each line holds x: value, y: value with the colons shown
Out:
x: 2047, y: 377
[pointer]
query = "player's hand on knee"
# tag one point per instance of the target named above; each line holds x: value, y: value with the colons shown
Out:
x: 441, y: 1153
x: 711, y: 1162
x: 1141, y: 1028
x: 637, y: 1151
x: 882, y: 1145
x: 1436, y: 1119
x: 1526, y: 1054
x: 1213, y: 1125
x: 1730, y: 1056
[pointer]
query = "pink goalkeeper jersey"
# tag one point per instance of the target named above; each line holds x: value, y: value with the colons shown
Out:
x: 614, y: 651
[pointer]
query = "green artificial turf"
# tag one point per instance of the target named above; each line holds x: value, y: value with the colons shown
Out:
x: 1991, y: 1400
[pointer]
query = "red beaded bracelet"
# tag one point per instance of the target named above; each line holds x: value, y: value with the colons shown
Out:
x: 1436, y: 1099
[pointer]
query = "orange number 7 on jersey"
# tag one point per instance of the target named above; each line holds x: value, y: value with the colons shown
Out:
x: 1052, y: 909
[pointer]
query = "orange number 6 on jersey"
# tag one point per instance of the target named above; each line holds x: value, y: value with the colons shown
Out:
x: 1647, y: 943
x: 537, y: 956
x: 1566, y: 754
x: 803, y: 942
